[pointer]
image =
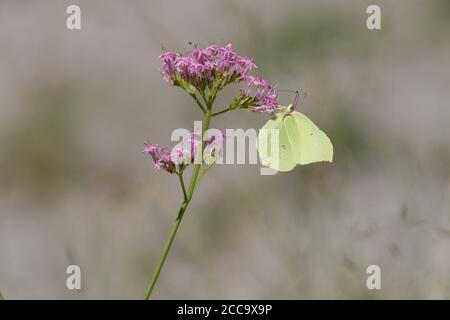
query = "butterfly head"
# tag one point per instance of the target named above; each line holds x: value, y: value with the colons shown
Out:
x: 285, y: 109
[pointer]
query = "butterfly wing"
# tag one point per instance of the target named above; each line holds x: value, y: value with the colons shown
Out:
x: 264, y: 145
x: 310, y: 144
x: 286, y: 150
x: 276, y: 152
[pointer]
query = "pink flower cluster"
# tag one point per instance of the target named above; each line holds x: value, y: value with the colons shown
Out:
x: 182, y: 154
x: 201, y: 67
x: 161, y: 156
x: 215, y: 67
x: 263, y: 95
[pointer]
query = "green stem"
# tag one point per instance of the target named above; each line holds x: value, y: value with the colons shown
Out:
x: 180, y: 175
x: 220, y: 112
x: 204, y: 98
x: 181, y: 212
x: 198, y: 102
x: 166, y: 250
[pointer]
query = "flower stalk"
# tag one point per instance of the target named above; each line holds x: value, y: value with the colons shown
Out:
x: 204, y: 73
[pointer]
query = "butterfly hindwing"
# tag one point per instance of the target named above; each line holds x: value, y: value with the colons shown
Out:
x: 313, y: 144
x: 286, y: 149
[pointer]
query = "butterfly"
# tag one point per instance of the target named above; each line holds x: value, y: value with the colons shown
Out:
x: 291, y: 138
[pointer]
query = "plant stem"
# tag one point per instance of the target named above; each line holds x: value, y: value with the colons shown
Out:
x: 198, y: 103
x: 166, y: 249
x: 180, y: 175
x: 181, y: 212
x: 204, y: 98
x: 220, y: 112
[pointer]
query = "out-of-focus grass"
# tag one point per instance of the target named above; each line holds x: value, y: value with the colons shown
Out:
x: 43, y: 150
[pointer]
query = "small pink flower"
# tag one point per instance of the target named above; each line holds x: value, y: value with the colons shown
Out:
x: 161, y: 157
x: 167, y: 68
x: 246, y: 65
x: 263, y: 94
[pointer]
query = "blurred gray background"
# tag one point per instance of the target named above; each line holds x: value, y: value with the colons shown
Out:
x: 76, y: 107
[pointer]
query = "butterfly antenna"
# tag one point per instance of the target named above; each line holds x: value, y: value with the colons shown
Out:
x: 297, y: 97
